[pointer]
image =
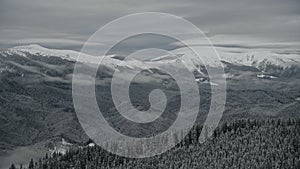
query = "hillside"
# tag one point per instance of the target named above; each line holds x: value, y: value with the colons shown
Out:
x: 37, y: 110
x: 238, y: 144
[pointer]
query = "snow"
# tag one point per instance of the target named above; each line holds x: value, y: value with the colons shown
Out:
x: 70, y: 55
x: 204, y: 81
x: 253, y: 58
x: 266, y: 76
x: 64, y: 142
x: 258, y: 59
x: 228, y: 75
x: 192, y: 59
x: 91, y: 145
x: 37, y: 49
x: 61, y: 147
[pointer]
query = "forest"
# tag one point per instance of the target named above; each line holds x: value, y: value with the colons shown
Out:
x: 266, y: 144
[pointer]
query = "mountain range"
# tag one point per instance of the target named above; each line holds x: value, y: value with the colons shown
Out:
x: 265, y: 61
x: 37, y: 112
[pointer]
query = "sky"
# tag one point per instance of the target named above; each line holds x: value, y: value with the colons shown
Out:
x: 67, y: 24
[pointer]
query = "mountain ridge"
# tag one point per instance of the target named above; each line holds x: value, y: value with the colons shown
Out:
x: 261, y: 60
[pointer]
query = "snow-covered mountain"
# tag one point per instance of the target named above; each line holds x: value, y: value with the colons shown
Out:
x: 35, y: 49
x: 36, y: 91
x: 258, y: 59
x: 261, y: 60
x: 265, y: 61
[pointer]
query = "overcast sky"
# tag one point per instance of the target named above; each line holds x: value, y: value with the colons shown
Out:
x: 270, y: 24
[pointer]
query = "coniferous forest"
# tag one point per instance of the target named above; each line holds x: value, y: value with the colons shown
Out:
x: 241, y: 144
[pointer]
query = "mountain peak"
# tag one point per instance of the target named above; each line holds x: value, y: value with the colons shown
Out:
x: 36, y: 49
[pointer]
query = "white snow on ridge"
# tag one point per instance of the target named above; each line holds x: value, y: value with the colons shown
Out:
x: 254, y: 59
x: 70, y: 55
x: 207, y: 57
x: 260, y: 58
x: 42, y: 51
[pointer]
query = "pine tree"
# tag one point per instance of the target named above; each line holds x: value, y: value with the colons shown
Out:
x: 31, y: 164
x: 12, y: 166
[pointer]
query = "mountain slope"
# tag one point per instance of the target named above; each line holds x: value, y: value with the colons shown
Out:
x: 36, y: 95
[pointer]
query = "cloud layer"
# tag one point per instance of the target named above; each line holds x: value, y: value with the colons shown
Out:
x: 68, y: 24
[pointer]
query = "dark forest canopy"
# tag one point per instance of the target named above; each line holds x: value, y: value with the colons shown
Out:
x: 238, y: 144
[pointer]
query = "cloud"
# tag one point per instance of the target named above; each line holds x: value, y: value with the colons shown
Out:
x: 69, y: 23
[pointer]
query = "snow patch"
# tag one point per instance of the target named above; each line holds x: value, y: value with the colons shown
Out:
x: 228, y: 75
x: 263, y: 76
x: 204, y: 81
x: 91, y: 145
x: 61, y: 147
